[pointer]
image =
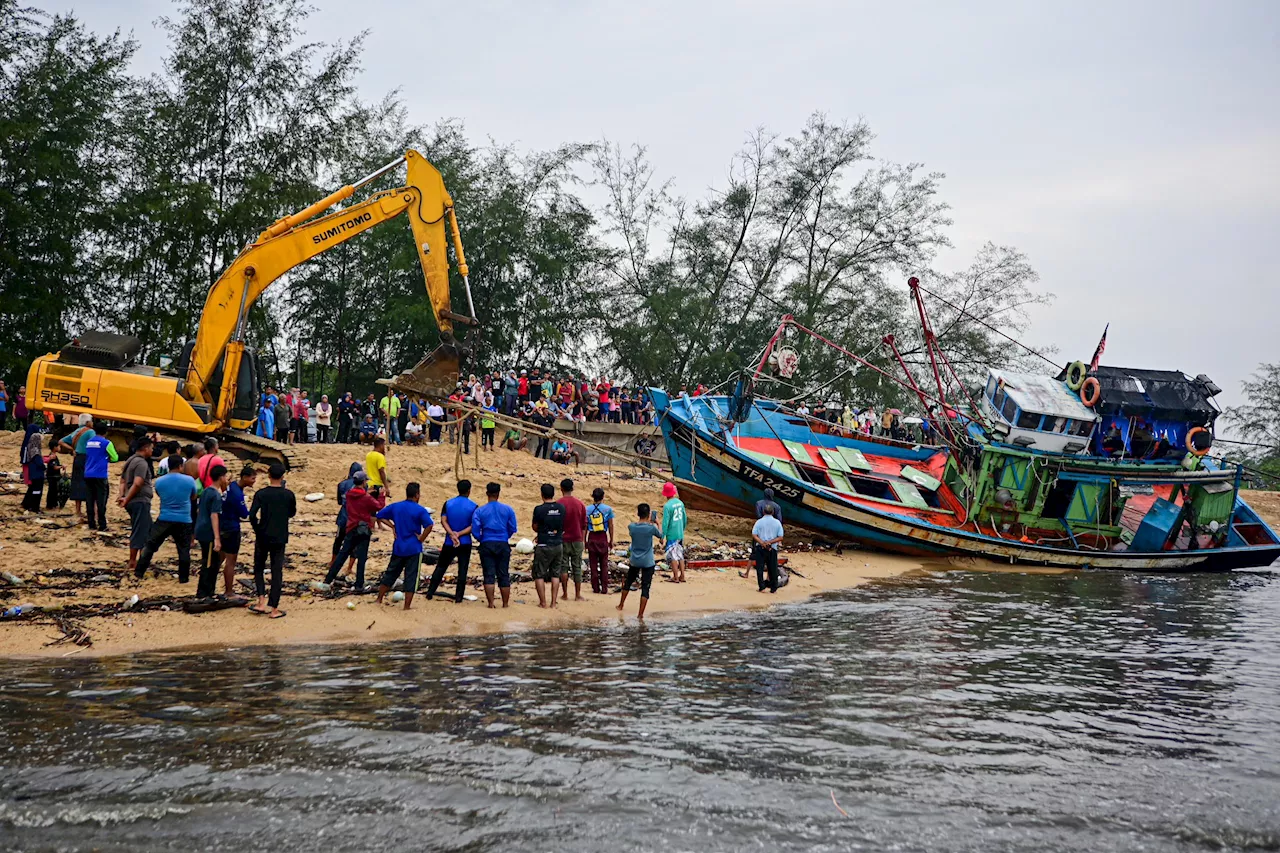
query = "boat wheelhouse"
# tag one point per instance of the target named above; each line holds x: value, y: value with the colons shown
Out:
x: 1037, y: 412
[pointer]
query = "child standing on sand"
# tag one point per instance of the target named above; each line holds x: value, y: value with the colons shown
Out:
x: 643, y: 533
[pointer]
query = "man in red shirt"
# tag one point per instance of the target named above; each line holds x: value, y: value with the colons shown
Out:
x: 603, y: 390
x: 566, y: 392
x: 522, y: 387
x: 362, y: 511
x: 575, y: 531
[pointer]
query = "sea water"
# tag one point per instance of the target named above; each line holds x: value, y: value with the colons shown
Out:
x: 948, y: 711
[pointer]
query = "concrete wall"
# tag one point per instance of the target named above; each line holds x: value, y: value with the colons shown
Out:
x: 613, y: 436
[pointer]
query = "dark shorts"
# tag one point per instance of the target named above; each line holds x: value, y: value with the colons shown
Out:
x: 546, y: 562
x: 409, y: 564
x: 139, y: 524
x: 495, y: 563
x: 230, y: 541
x: 645, y: 574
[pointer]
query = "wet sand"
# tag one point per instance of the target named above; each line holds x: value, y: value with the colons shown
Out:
x: 35, y: 545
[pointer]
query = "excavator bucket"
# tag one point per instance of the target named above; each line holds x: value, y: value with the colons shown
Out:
x: 435, y: 376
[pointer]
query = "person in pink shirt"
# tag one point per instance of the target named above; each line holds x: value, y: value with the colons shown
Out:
x: 209, y: 461
x: 301, y: 410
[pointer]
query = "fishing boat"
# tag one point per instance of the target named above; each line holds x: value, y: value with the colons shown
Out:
x: 1095, y: 467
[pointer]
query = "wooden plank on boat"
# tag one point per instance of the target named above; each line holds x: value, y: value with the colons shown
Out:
x: 920, y: 478
x: 834, y: 460
x: 910, y: 496
x: 840, y: 482
x: 856, y: 460
x: 798, y: 451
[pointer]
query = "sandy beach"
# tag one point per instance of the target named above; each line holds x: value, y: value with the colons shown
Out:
x: 57, y: 559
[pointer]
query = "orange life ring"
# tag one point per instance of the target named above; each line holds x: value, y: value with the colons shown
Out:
x: 1091, y: 392
x: 1191, y: 442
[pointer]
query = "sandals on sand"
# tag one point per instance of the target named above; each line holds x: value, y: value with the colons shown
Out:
x: 279, y: 614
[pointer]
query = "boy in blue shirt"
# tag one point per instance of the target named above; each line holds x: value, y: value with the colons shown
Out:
x: 493, y: 526
x: 176, y: 491
x: 412, y: 524
x: 458, y: 514
x: 643, y: 534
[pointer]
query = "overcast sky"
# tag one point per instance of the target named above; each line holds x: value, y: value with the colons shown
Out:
x: 1132, y: 150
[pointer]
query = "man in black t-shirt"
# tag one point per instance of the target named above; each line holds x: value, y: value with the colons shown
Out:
x: 548, y: 521
x: 269, y: 516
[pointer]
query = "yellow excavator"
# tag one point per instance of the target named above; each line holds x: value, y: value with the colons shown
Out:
x: 213, y: 388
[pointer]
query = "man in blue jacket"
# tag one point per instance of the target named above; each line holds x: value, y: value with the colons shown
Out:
x: 493, y: 526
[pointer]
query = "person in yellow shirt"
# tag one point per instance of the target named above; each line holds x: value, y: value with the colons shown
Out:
x: 375, y: 466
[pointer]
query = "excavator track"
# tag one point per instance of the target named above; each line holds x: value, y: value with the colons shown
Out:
x: 242, y: 445
x: 255, y: 448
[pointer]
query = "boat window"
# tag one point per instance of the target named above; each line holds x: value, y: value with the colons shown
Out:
x: 1082, y: 428
x: 1028, y: 420
x: 872, y: 488
x: 814, y: 475
x: 1009, y: 409
x: 999, y: 398
x: 991, y: 387
x: 1060, y: 425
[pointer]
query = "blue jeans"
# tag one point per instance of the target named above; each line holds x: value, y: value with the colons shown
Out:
x: 394, y: 435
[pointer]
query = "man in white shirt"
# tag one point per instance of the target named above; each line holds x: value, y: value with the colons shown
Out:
x: 435, y: 412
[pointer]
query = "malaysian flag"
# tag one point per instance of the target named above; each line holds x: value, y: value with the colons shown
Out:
x: 1097, y: 354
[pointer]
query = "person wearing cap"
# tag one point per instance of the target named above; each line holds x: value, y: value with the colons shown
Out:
x: 674, y: 519
x: 362, y: 509
x: 522, y: 387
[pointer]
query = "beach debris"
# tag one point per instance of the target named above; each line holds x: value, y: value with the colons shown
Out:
x: 11, y: 579
x: 102, y: 579
x: 471, y: 598
x: 319, y: 586
x: 315, y: 496
x: 73, y: 631
x: 397, y: 597
x: 132, y: 600
x: 18, y: 609
x: 351, y: 605
x: 836, y: 804
x: 524, y: 546
x: 369, y: 627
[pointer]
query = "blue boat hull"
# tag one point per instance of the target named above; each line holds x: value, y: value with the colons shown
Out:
x: 733, y: 482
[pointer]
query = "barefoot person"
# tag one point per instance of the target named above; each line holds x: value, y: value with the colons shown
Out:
x: 640, y: 558
x: 209, y: 531
x: 234, y: 511
x: 575, y: 527
x: 548, y: 522
x: 493, y: 526
x: 673, y: 523
x: 269, y: 516
x: 458, y: 513
x: 411, y: 523
x: 599, y: 541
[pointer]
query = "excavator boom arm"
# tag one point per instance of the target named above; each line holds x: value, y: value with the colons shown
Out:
x: 298, y: 238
